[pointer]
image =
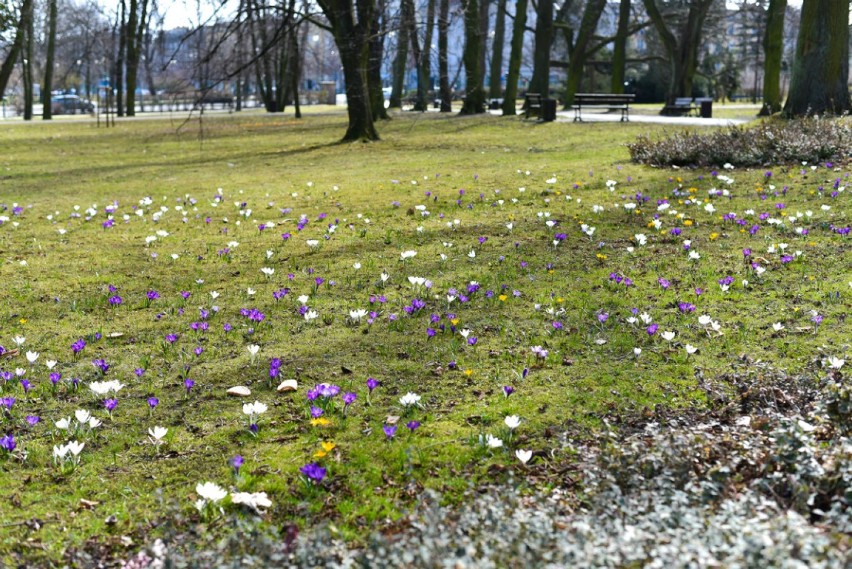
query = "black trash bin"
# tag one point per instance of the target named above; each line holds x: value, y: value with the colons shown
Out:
x: 548, y: 110
x: 706, y: 108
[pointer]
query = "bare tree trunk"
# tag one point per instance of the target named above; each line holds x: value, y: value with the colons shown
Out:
x: 29, y: 42
x: 540, y: 82
x: 518, y: 28
x: 484, y: 6
x: 821, y: 68
x: 16, y: 48
x: 374, y: 65
x: 474, y: 100
x: 495, y: 89
x: 400, y: 62
x: 619, y: 51
x: 443, y: 65
x: 424, y: 65
x: 119, y: 62
x: 47, y: 108
x: 773, y: 53
x: 579, y: 52
x: 350, y: 26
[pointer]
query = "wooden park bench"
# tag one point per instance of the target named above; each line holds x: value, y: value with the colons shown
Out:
x: 610, y: 101
x: 532, y: 105
x: 681, y: 106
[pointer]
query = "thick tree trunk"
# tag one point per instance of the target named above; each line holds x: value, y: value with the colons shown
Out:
x: 374, y: 69
x: 821, y: 69
x: 513, y: 74
x: 424, y: 65
x: 47, y: 87
x: 350, y: 26
x: 579, y: 53
x: 495, y: 86
x: 619, y: 51
x: 773, y: 53
x: 474, y: 100
x: 400, y: 62
x: 540, y: 82
x: 443, y: 61
x: 484, y: 21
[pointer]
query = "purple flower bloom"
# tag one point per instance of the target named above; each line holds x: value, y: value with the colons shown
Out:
x: 153, y: 295
x: 390, y: 431
x: 349, y: 398
x: 7, y: 402
x: 26, y: 385
x: 314, y: 472
x: 603, y: 317
x: 372, y: 384
x: 412, y: 425
x: 316, y: 412
x: 508, y: 390
x: 78, y: 346
x: 7, y: 443
x: 33, y: 420
x: 652, y: 329
x: 110, y: 404
x: 663, y: 283
x: 101, y: 365
x: 55, y: 377
x: 188, y: 384
x: 153, y: 402
x: 139, y: 372
x: 236, y: 462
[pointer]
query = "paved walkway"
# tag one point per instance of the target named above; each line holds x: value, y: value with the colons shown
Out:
x: 603, y: 116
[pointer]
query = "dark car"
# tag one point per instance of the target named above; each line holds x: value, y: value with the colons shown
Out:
x: 70, y: 105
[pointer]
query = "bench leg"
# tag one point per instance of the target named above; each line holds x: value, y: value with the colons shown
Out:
x: 624, y: 117
x: 577, y: 117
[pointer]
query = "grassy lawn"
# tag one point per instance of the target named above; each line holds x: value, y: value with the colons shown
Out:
x: 539, y: 279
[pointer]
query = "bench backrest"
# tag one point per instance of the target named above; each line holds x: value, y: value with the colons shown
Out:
x: 603, y: 98
x: 683, y: 101
x: 533, y: 97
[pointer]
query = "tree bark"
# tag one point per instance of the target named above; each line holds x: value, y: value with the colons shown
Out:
x: 619, y: 51
x: 579, y: 52
x: 443, y: 61
x: 821, y: 68
x: 474, y: 100
x: 540, y: 82
x: 47, y: 87
x: 374, y: 69
x: 16, y: 48
x: 28, y: 64
x: 682, y: 51
x: 424, y: 65
x: 400, y: 62
x: 513, y: 74
x: 137, y: 24
x: 773, y: 53
x: 119, y: 61
x: 495, y: 86
x: 350, y: 26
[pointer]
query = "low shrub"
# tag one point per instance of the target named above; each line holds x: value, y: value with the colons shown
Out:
x: 773, y: 142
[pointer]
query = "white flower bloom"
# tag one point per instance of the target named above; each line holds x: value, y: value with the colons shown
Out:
x: 384, y: 277
x: 50, y: 364
x: 464, y: 333
x: 356, y: 266
x: 523, y: 455
x: 311, y: 315
x: 640, y: 238
x: 254, y: 500
x: 94, y: 423
x: 82, y: 416
x: 157, y: 434
x: 704, y: 319
x: 253, y: 349
x: 75, y: 447
x: 405, y: 255
x: 357, y: 315
x: 472, y: 254
x: 32, y: 357
x: 694, y: 256
x: 835, y: 362
x: 668, y: 336
x: 512, y: 421
x: 256, y: 408
x: 637, y: 352
x: 690, y: 349
x: 63, y: 423
x: 777, y: 327
x: 409, y: 399
x: 250, y: 291
x: 268, y: 271
x: 210, y: 491
x: 492, y: 441
x: 303, y: 299
x: 312, y: 243
x: 19, y: 340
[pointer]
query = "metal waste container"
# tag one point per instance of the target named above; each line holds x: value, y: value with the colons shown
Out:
x: 548, y: 110
x: 706, y: 108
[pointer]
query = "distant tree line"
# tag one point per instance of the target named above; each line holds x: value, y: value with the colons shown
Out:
x: 658, y: 48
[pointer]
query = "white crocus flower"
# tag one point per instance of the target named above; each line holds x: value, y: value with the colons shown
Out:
x: 512, y: 421
x: 210, y: 492
x: 523, y: 455
x: 409, y: 399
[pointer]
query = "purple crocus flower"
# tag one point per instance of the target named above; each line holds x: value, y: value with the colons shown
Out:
x: 110, y: 404
x: 349, y: 398
x: 188, y: 384
x: 314, y: 472
x: 372, y: 384
x: 153, y: 295
x: 390, y: 431
x: 652, y: 329
x: 7, y: 443
x: 7, y: 402
x: 316, y: 412
x: 153, y: 402
x: 78, y: 346
x: 508, y: 390
x: 412, y: 425
x: 33, y: 420
x: 603, y: 317
x: 236, y: 462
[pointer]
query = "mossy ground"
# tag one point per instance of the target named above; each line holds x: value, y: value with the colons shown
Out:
x: 466, y: 169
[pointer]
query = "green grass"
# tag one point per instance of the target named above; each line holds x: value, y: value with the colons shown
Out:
x: 275, y: 162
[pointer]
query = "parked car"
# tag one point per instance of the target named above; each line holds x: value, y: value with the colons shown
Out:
x: 70, y: 105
